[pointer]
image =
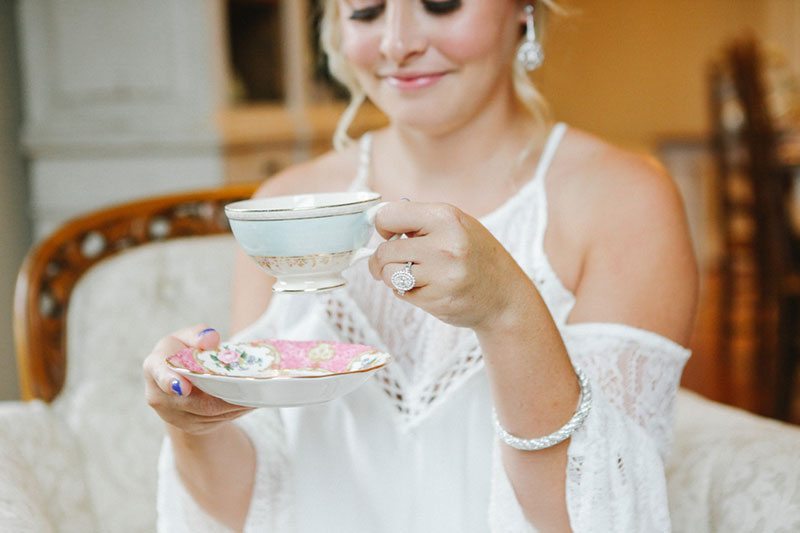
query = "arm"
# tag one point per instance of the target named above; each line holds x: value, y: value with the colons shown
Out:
x: 640, y: 271
x: 198, y: 427
x: 466, y: 278
x: 198, y: 424
x: 639, y: 259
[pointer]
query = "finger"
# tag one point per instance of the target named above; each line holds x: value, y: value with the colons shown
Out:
x: 233, y: 415
x: 201, y: 336
x: 199, y: 403
x: 415, y: 218
x: 205, y: 405
x: 191, y: 423
x: 397, y: 251
x: 420, y: 273
x: 156, y: 368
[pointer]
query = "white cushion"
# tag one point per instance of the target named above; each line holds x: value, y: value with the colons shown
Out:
x: 118, y: 311
x: 732, y: 471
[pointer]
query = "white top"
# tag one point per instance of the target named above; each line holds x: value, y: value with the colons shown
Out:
x: 414, y: 449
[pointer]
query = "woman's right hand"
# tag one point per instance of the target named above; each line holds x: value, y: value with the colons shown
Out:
x: 172, y: 396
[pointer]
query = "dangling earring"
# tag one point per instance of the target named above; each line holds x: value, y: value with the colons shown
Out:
x: 530, y: 53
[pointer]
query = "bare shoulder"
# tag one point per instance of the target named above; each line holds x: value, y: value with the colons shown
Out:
x: 331, y: 171
x: 639, y: 266
x: 602, y: 177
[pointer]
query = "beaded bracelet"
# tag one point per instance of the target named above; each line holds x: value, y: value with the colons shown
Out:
x: 566, y: 431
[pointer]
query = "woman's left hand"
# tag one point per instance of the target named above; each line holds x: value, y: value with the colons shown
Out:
x: 464, y: 276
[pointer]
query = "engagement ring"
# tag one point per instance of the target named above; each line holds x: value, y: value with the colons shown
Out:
x: 403, y: 280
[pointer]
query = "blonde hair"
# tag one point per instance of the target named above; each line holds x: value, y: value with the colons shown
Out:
x: 331, y: 40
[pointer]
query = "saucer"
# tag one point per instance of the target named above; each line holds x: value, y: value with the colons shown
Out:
x: 279, y: 373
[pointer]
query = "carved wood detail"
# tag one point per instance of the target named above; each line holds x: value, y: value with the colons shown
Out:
x: 51, y: 270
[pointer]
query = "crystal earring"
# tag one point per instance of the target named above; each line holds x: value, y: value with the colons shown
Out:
x: 530, y: 53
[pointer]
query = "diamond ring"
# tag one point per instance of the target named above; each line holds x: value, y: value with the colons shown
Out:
x: 403, y: 280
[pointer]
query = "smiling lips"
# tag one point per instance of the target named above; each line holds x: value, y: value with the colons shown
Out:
x: 412, y: 81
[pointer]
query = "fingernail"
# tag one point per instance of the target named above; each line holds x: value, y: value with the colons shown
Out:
x: 205, y: 332
x: 176, y: 386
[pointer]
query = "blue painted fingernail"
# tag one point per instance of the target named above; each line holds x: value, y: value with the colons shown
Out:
x: 205, y: 332
x: 176, y: 386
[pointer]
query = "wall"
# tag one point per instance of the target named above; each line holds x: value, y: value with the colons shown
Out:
x: 120, y: 101
x: 633, y: 71
x: 14, y: 230
x: 783, y: 25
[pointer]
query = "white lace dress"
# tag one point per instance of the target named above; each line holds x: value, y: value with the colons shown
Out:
x: 414, y: 449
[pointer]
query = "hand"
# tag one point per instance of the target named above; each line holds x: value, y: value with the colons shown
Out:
x: 464, y: 276
x: 173, y: 397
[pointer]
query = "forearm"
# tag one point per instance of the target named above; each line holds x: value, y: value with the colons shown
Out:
x: 222, y: 458
x: 535, y: 392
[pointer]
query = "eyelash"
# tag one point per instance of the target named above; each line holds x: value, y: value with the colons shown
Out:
x: 367, y: 14
x: 441, y: 8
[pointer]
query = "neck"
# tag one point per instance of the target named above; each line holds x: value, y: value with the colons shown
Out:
x: 488, y: 142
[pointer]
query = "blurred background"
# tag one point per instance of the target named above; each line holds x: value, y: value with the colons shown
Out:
x: 103, y: 102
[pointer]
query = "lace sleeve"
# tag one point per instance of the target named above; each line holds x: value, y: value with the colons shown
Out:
x: 615, y: 469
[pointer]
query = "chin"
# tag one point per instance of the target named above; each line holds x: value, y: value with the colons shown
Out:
x: 432, y: 116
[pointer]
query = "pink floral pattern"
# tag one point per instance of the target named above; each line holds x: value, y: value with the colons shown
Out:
x: 228, y: 355
x: 185, y: 359
x: 273, y: 358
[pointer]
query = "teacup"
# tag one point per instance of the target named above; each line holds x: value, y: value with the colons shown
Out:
x: 306, y: 241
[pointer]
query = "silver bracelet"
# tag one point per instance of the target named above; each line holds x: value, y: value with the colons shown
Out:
x: 566, y: 431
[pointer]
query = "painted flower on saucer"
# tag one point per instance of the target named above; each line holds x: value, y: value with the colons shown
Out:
x: 275, y: 372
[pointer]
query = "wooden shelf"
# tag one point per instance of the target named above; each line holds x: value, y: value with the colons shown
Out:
x: 262, y: 124
x: 260, y: 140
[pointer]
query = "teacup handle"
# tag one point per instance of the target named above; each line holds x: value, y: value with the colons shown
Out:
x: 370, y: 214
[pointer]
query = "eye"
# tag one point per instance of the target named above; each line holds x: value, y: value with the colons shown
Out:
x: 367, y: 14
x: 442, y: 7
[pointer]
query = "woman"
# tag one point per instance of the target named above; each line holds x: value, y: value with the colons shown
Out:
x: 551, y: 271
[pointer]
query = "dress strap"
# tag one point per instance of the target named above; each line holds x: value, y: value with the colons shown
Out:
x: 364, y: 163
x: 546, y: 159
x: 549, y: 151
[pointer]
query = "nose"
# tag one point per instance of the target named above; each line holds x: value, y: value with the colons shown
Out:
x: 402, y: 36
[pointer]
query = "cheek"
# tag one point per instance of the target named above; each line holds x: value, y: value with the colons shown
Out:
x: 361, y: 47
x: 483, y: 35
x: 462, y: 49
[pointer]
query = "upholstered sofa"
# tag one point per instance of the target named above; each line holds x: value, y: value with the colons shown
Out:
x: 86, y: 461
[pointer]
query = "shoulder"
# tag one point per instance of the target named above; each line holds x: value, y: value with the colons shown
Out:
x: 331, y: 171
x: 639, y: 266
x: 625, y: 193
x: 610, y: 184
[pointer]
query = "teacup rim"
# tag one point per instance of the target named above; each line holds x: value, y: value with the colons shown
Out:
x: 236, y: 211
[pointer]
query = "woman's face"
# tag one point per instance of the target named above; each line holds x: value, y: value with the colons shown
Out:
x: 431, y: 64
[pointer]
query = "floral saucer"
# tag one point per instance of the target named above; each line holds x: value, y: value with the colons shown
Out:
x: 279, y: 373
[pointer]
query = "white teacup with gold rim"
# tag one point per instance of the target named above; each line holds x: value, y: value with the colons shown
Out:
x: 307, y: 240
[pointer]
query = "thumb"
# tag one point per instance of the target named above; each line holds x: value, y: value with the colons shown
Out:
x: 200, y: 336
x: 208, y: 339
